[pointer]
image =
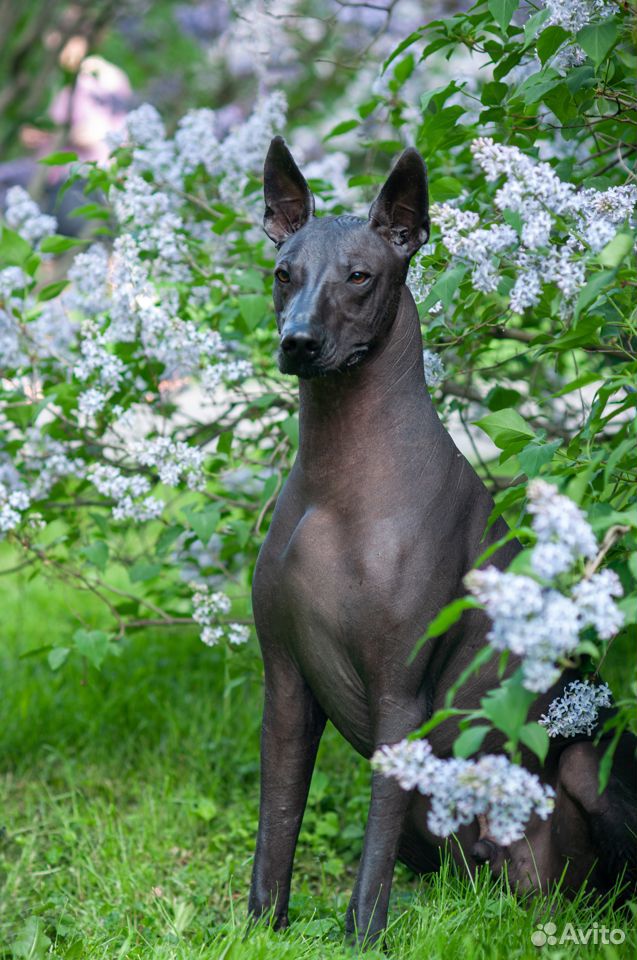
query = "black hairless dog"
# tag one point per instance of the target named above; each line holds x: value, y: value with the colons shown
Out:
x: 379, y: 521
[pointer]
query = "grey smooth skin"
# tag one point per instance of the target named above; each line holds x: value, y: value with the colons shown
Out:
x: 379, y: 520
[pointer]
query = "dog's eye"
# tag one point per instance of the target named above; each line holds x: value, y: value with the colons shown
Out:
x: 282, y: 275
x: 358, y: 277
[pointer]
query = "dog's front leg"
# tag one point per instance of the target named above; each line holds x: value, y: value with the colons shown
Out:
x: 292, y: 726
x: 367, y: 912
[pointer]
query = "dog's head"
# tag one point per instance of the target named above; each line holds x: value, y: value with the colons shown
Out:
x: 338, y: 279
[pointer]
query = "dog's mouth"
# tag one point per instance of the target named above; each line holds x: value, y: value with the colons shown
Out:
x: 322, y: 366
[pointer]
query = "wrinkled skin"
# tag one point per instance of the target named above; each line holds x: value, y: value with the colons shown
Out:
x: 379, y: 520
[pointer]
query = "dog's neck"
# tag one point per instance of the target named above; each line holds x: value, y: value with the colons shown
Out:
x: 356, y: 425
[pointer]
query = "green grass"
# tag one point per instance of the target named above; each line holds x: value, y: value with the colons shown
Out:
x: 129, y: 806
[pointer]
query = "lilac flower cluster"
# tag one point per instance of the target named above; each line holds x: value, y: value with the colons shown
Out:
x: 208, y: 606
x: 174, y: 461
x: 461, y: 790
x: 13, y: 503
x: 129, y: 492
x: 25, y: 217
x: 540, y: 623
x: 574, y: 14
x: 435, y: 371
x: 576, y: 711
x: 560, y: 227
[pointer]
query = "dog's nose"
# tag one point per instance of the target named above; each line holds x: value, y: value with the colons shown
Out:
x: 300, y: 345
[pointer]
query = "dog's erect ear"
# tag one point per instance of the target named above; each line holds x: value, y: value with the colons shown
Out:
x: 400, y: 212
x: 289, y: 203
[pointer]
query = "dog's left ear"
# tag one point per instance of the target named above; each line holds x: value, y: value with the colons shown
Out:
x: 289, y: 203
x: 400, y: 212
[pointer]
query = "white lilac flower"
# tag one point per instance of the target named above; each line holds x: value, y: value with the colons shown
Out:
x: 91, y: 401
x: 572, y: 15
x: 97, y: 358
x: 238, y: 633
x: 597, y: 609
x: 558, y: 225
x: 505, y: 595
x: 556, y: 519
x: 461, y: 790
x: 53, y: 333
x: 11, y: 354
x: 539, y: 625
x: 526, y: 291
x: 196, y: 142
x: 12, y: 279
x: 24, y: 216
x: 549, y: 559
x: 576, y: 711
x: 47, y: 461
x: 174, y: 461
x: 129, y: 492
x: 435, y: 371
x: 211, y: 635
x: 243, y: 149
x: 13, y: 503
x: 208, y: 604
x: 88, y: 275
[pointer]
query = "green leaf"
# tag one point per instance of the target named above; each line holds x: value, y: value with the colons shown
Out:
x: 254, y: 308
x: 52, y: 290
x: 582, y: 381
x: 342, y: 128
x: 31, y: 943
x: 439, y: 717
x: 445, y: 619
x: 507, y: 706
x: 493, y: 93
x: 407, y: 42
x: 60, y: 244
x: 96, y: 553
x: 143, y: 570
x: 166, y: 539
x: 95, y: 645
x: 502, y: 11
x: 536, y: 86
x: 525, y: 532
x: 535, y: 455
x: 444, y: 288
x: 203, y: 522
x: 14, y: 250
x: 470, y: 741
x: 589, y: 293
x: 534, y: 23
x: 404, y: 69
x: 91, y: 211
x: 505, y: 427
x: 58, y: 656
x: 58, y: 159
x: 549, y: 41
x: 500, y: 397
x: 615, y: 251
x: 224, y: 443
x: 596, y: 39
x: 290, y: 427
x: 536, y: 739
x: 445, y: 188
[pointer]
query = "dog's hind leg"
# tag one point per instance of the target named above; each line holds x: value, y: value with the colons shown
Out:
x: 610, y: 818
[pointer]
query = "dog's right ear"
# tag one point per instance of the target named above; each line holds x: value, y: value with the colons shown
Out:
x: 289, y: 203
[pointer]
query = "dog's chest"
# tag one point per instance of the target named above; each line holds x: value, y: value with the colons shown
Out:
x: 342, y: 598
